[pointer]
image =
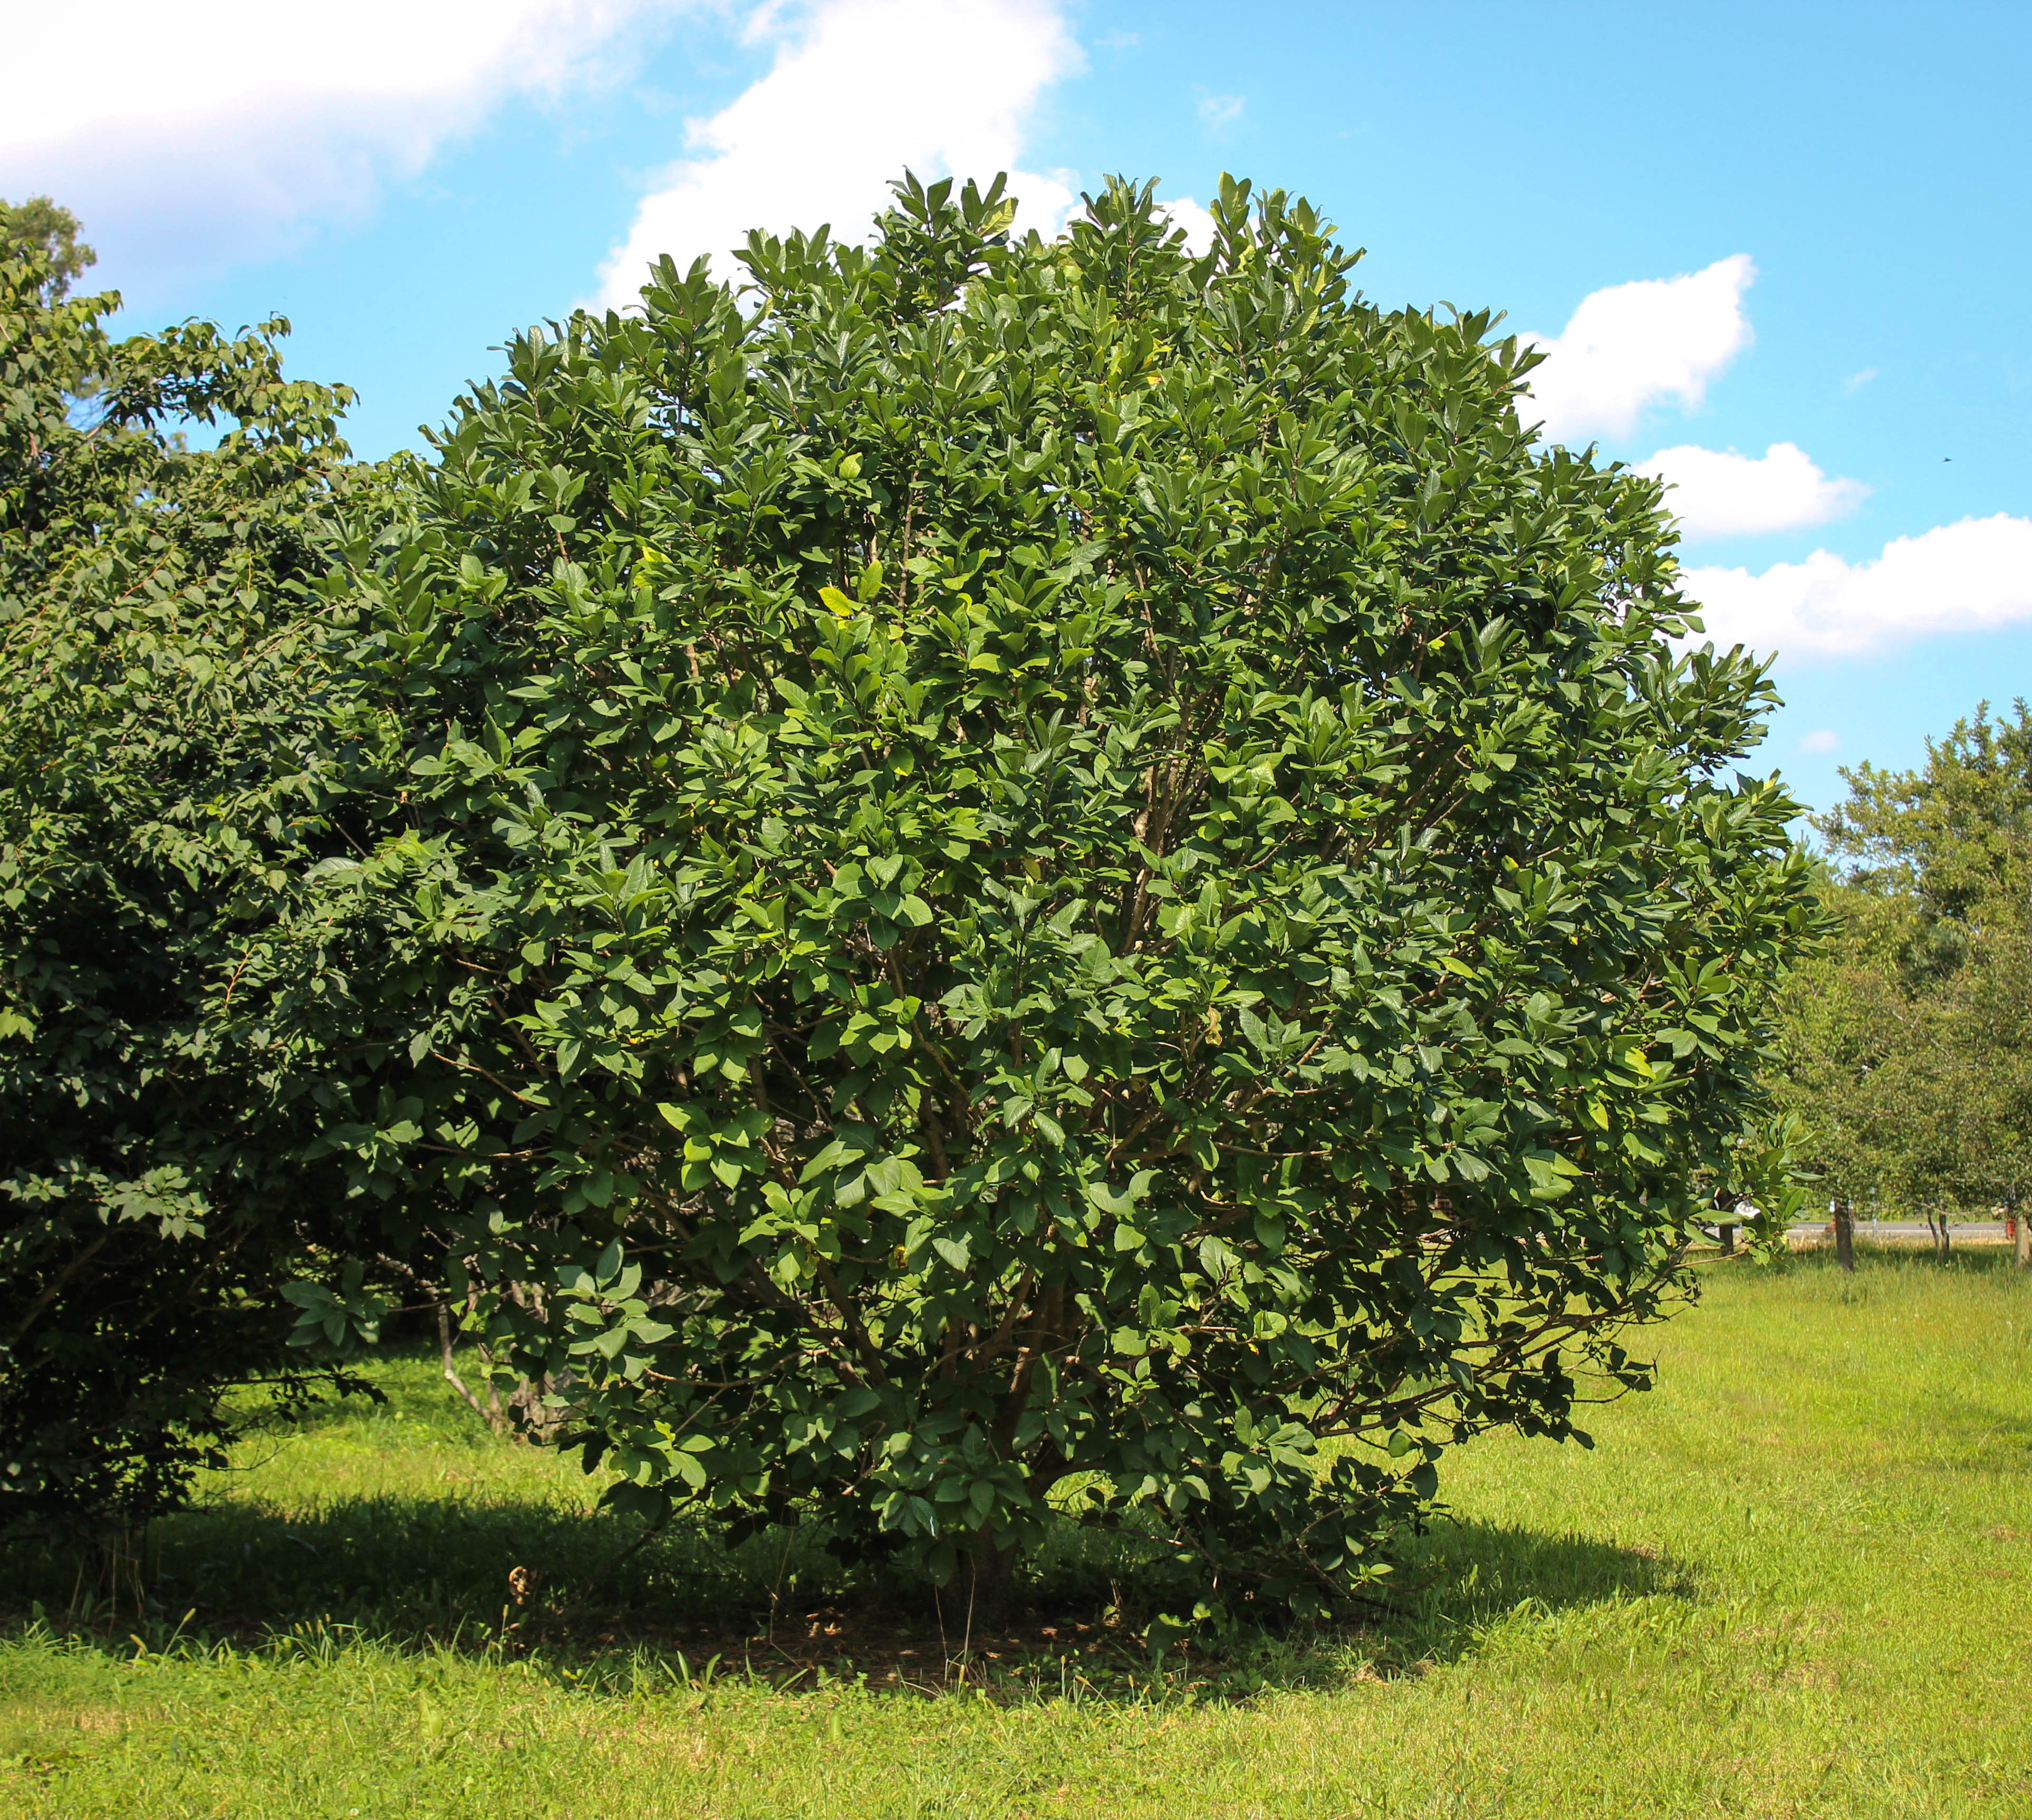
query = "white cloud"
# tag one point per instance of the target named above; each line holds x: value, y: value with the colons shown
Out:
x: 1631, y: 345
x: 1717, y: 493
x: 860, y: 89
x: 1855, y: 382
x: 1196, y: 221
x: 193, y: 133
x: 1824, y: 740
x: 1218, y: 110
x: 1968, y: 577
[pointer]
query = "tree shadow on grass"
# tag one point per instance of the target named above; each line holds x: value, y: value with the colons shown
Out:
x: 418, y: 1569
x: 553, y: 1581
x: 1966, y: 1257
x: 1466, y: 1581
x: 492, y: 1561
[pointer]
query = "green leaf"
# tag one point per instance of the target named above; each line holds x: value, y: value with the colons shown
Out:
x: 957, y: 1251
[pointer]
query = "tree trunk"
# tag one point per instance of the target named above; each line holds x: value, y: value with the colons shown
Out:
x: 530, y: 1410
x: 1845, y: 1238
x: 1941, y: 1242
x: 1727, y: 1234
x: 490, y: 1411
x: 989, y: 1584
x: 2024, y: 1236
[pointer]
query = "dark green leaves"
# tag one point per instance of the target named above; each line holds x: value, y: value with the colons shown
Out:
x: 1084, y: 857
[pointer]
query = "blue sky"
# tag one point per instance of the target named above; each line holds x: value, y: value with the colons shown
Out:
x: 1780, y: 252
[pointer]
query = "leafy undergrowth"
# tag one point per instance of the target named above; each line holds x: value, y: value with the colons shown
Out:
x: 1792, y: 1581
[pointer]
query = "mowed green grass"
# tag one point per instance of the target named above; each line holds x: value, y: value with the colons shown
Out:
x: 1792, y: 1581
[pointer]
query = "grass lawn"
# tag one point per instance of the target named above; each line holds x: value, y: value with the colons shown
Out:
x: 1793, y: 1580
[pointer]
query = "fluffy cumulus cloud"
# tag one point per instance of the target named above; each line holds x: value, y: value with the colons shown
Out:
x: 1718, y: 493
x: 1196, y: 221
x: 1969, y: 577
x: 1632, y: 346
x: 197, y: 133
x: 859, y: 90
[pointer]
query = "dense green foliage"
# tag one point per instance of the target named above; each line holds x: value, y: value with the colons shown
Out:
x: 1010, y: 861
x: 1908, y: 1046
x: 154, y: 685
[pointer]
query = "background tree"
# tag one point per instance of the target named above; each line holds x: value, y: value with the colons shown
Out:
x: 157, y: 658
x: 1015, y: 862
x: 1847, y: 1026
x: 39, y: 231
x: 1907, y: 1046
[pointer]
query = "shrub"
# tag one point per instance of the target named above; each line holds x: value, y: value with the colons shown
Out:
x: 156, y: 655
x: 1020, y: 860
